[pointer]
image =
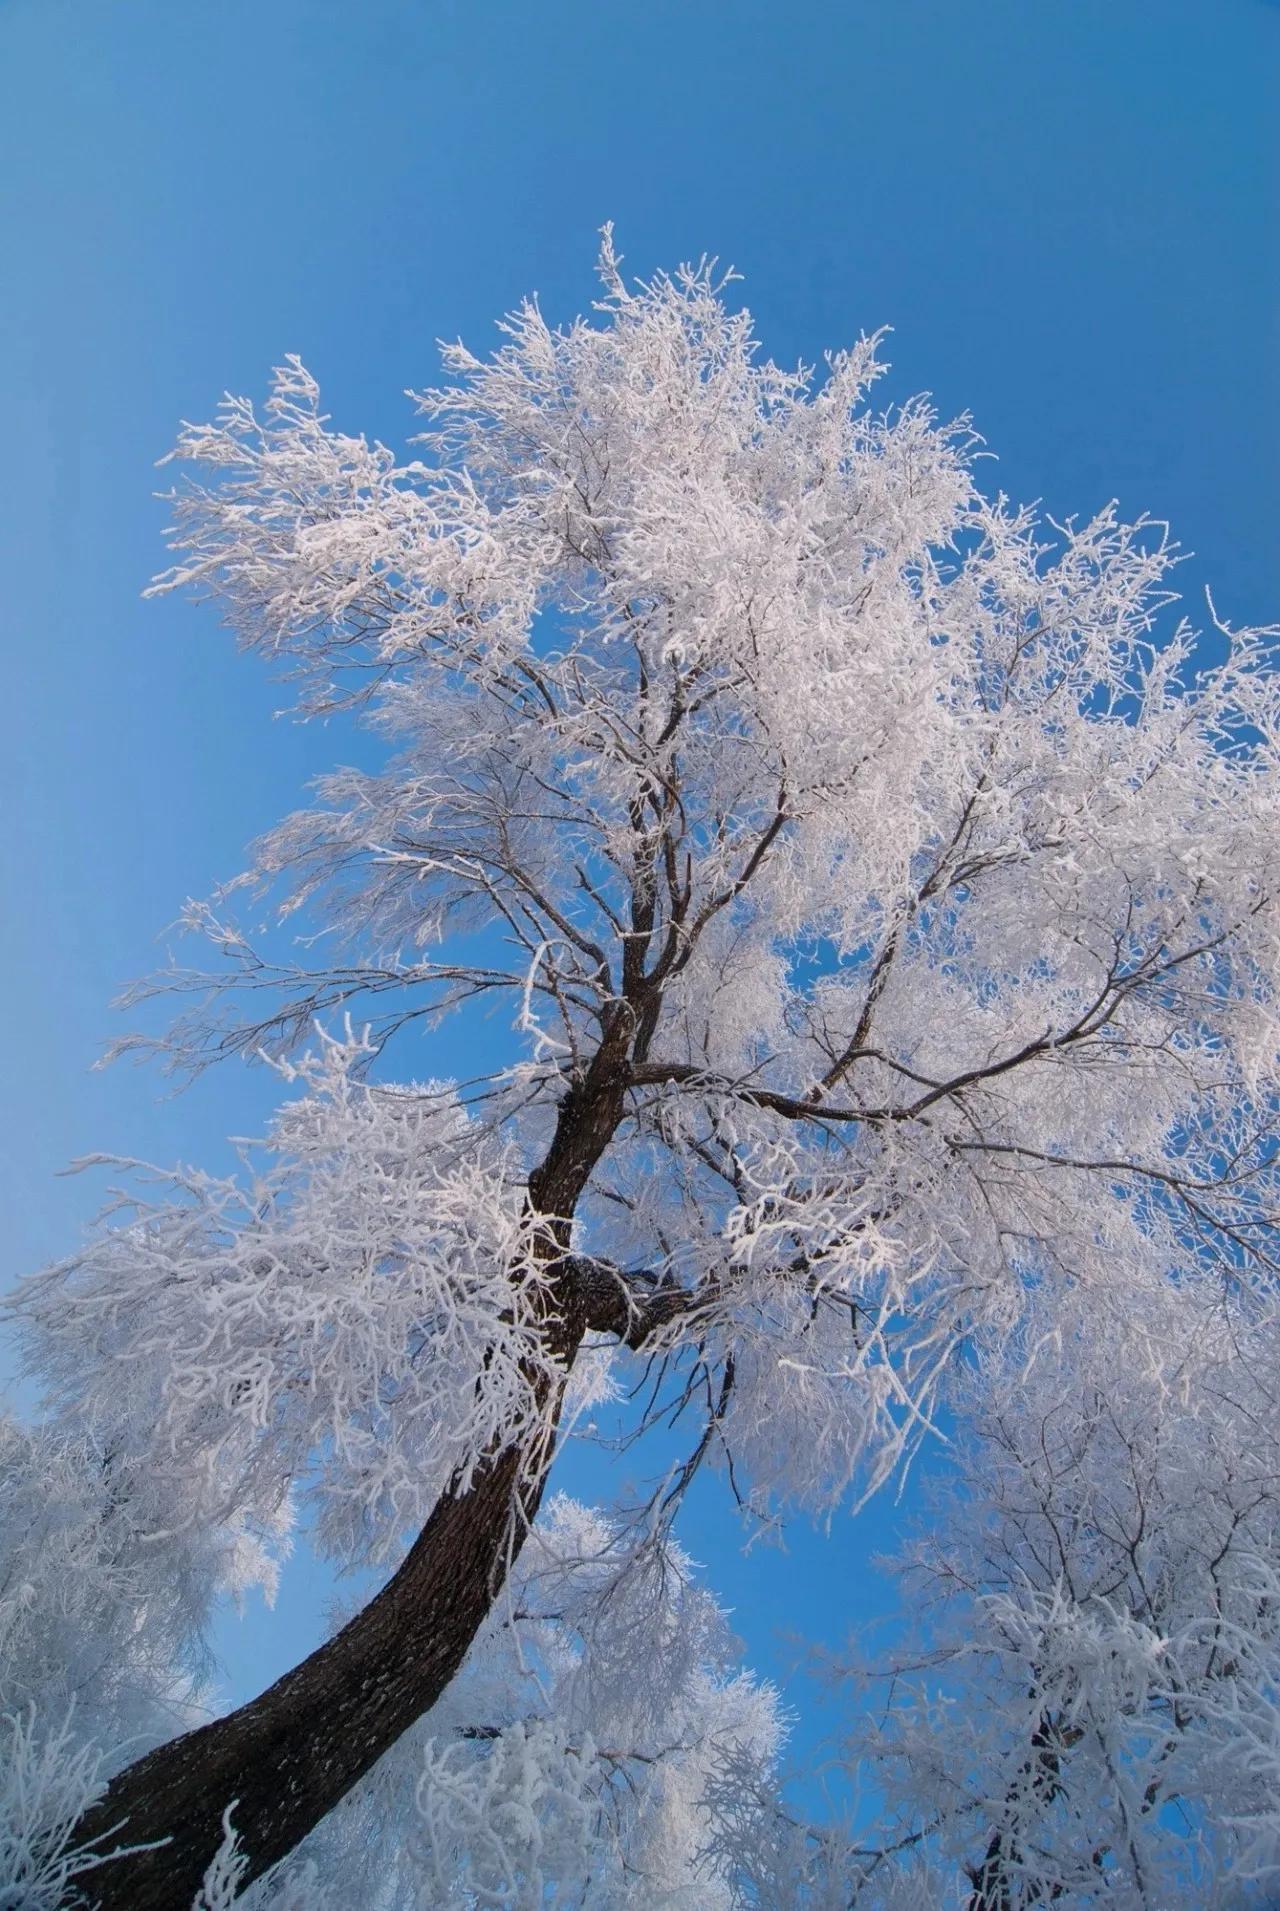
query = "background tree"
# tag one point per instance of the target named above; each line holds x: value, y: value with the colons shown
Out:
x: 1082, y: 1708
x: 887, y: 921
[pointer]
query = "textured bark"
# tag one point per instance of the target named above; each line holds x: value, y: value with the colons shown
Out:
x: 291, y: 1754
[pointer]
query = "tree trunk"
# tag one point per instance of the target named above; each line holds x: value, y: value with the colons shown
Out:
x: 288, y: 1756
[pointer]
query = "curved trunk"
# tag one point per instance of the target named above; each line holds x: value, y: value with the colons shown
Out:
x: 288, y: 1756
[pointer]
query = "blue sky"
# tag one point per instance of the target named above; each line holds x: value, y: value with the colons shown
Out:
x: 1066, y: 209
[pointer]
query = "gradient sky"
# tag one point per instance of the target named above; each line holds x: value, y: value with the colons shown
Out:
x: 1067, y: 210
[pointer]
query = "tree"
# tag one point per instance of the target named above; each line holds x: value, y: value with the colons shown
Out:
x: 1083, y: 1709
x: 885, y: 906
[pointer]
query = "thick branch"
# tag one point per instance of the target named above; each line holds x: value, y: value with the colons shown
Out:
x: 633, y: 1306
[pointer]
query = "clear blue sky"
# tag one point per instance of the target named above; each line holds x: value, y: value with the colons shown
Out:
x: 1067, y: 209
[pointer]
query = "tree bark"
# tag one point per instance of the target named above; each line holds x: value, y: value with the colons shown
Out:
x: 288, y: 1756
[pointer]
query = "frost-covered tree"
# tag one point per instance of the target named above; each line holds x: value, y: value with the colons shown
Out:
x: 1085, y: 1709
x: 885, y: 910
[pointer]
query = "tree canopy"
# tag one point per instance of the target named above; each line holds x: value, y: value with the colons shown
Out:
x: 882, y: 892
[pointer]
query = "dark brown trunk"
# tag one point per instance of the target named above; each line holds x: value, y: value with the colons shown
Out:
x: 288, y: 1756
